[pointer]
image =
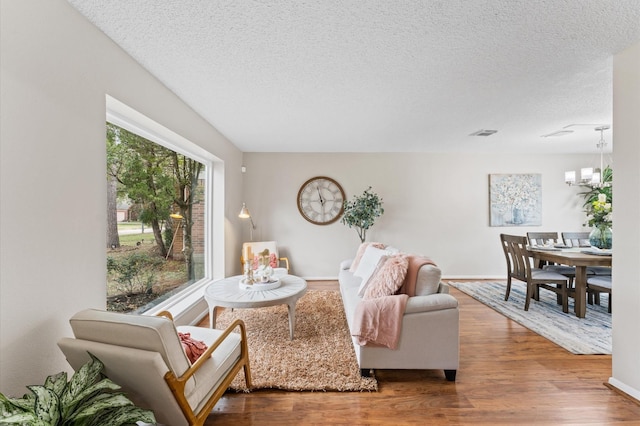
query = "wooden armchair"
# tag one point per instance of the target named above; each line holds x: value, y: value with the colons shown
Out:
x: 272, y: 246
x: 144, y: 355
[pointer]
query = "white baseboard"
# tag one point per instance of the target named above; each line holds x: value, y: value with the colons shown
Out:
x: 334, y: 278
x: 445, y: 277
x: 632, y: 392
x: 474, y: 277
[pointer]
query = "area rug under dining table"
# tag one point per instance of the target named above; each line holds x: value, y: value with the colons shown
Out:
x: 321, y: 356
x: 589, y: 335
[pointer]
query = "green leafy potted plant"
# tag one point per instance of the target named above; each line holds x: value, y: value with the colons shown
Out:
x: 88, y: 399
x: 361, y: 213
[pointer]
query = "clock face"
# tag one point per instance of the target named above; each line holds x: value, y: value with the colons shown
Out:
x: 321, y: 200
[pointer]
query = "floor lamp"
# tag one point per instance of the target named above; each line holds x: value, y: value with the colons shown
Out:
x: 176, y: 218
x: 244, y: 214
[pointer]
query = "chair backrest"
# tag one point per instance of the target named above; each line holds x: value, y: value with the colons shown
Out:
x: 576, y: 239
x: 145, y: 332
x: 517, y: 256
x: 542, y: 238
x: 137, y: 351
x: 259, y: 246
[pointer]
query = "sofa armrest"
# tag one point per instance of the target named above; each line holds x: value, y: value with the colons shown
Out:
x: 443, y: 288
x: 432, y: 302
x: 346, y: 264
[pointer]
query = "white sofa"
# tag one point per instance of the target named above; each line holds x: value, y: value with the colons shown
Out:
x: 430, y: 326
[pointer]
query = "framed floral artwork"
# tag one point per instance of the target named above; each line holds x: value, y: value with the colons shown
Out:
x: 515, y: 200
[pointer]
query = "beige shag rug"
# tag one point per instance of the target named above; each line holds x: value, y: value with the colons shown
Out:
x: 321, y: 356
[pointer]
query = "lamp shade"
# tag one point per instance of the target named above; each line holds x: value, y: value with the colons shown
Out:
x: 586, y: 174
x: 244, y: 212
x: 570, y: 177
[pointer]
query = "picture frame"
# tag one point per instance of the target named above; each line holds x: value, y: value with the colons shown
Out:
x: 515, y: 199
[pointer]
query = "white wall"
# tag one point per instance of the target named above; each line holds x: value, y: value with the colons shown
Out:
x: 626, y: 300
x: 56, y: 69
x: 435, y: 204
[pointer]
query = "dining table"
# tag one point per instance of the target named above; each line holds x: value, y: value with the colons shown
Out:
x: 581, y: 259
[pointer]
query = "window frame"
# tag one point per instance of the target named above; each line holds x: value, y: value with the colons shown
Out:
x: 186, y: 306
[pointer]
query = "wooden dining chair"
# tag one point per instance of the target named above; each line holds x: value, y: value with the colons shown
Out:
x: 519, y: 267
x: 551, y: 239
x: 576, y: 239
x: 581, y: 239
x: 542, y: 238
x: 596, y: 285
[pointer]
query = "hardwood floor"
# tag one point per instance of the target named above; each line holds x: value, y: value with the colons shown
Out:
x: 508, y: 375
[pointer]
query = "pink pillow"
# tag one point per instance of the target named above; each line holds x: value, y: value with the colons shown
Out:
x: 192, y: 348
x: 360, y: 252
x: 388, y: 276
x: 273, y: 261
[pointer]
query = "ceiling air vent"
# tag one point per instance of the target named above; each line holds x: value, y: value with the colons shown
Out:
x: 484, y: 133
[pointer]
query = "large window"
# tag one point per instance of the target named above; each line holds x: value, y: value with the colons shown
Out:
x: 158, y: 224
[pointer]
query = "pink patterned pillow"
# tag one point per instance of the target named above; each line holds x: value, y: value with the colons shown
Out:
x: 360, y: 253
x: 273, y: 261
x: 388, y: 276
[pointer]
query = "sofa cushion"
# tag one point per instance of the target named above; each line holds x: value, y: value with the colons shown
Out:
x: 360, y: 253
x: 367, y: 279
x: 428, y: 281
x: 416, y: 263
x: 387, y: 277
x: 369, y: 261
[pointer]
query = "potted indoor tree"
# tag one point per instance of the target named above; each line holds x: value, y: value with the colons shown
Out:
x: 362, y: 212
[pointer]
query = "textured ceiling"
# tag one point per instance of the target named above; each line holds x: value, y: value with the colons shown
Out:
x: 383, y: 75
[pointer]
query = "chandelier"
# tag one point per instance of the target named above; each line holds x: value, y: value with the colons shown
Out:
x: 588, y: 176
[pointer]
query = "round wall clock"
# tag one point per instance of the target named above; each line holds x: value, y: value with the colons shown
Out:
x: 321, y: 200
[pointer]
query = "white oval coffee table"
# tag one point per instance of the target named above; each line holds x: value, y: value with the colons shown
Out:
x: 227, y: 293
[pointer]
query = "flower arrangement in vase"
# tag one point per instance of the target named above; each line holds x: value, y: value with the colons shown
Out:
x: 599, y: 218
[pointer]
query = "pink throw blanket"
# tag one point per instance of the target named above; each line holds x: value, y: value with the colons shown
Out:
x: 379, y: 320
